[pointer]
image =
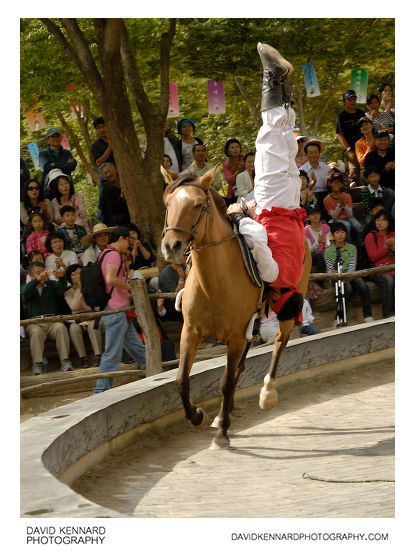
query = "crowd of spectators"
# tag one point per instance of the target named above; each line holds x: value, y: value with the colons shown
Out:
x: 57, y: 241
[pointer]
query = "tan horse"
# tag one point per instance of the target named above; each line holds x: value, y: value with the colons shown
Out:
x: 219, y: 298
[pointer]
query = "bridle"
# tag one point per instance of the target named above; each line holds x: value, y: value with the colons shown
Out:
x: 205, y: 209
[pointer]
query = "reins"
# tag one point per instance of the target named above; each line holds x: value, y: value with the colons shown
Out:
x: 206, y: 209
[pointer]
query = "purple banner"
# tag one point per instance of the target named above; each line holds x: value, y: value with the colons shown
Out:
x: 174, y: 110
x: 216, y: 97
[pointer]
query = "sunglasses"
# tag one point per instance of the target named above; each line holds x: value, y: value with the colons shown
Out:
x: 35, y: 188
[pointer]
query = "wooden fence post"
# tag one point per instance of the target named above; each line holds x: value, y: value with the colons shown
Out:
x: 148, y: 325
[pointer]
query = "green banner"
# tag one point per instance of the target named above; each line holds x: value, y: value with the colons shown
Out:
x: 359, y: 84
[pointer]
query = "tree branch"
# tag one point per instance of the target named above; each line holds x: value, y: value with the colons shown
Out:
x: 165, y: 47
x: 253, y: 109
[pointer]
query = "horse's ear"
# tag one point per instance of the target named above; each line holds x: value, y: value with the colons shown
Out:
x: 168, y: 178
x: 207, y: 178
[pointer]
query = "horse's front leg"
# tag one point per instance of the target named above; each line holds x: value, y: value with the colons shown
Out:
x: 189, y: 343
x: 228, y: 384
x: 268, y: 396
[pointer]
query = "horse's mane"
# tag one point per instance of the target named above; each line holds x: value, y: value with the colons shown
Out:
x: 191, y: 177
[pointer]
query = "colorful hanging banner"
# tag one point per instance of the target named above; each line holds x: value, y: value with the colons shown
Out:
x: 34, y: 153
x: 216, y: 97
x: 174, y: 110
x: 310, y: 80
x: 35, y: 120
x: 359, y: 84
x: 65, y: 143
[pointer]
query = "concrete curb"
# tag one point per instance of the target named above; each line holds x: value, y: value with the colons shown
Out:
x: 58, y: 445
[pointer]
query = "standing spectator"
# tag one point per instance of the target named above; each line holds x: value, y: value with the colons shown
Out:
x: 55, y: 156
x: 373, y: 189
x: 24, y: 176
x: 171, y: 149
x: 348, y: 253
x: 119, y: 331
x: 59, y: 258
x: 386, y: 98
x: 101, y: 151
x: 367, y: 141
x: 233, y: 166
x: 383, y: 158
x: 316, y: 170
x: 380, y: 119
x: 34, y: 201
x: 199, y: 165
x: 73, y: 232
x: 317, y: 235
x: 245, y: 181
x: 380, y: 247
x: 167, y: 164
x: 36, y: 239
x: 348, y: 133
x: 64, y: 195
x: 76, y: 302
x: 42, y: 296
x: 113, y: 205
x: 185, y: 129
x: 339, y: 206
x: 301, y: 157
x: 96, y: 242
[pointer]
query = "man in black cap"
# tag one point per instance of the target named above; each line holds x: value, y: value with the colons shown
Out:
x: 55, y: 156
x: 382, y: 158
x: 348, y: 133
x: 101, y: 151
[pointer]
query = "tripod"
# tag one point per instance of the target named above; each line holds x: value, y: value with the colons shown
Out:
x: 339, y: 291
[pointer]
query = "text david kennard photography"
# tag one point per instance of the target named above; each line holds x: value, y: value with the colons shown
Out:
x: 65, y: 535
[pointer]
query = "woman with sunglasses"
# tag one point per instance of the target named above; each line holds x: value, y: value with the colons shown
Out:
x: 34, y: 201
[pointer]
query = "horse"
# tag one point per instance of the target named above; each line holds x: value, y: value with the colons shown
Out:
x: 219, y: 297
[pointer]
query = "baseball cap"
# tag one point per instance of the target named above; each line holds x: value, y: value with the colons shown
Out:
x: 349, y: 94
x: 362, y: 120
x: 52, y: 131
x: 381, y: 132
x: 312, y: 208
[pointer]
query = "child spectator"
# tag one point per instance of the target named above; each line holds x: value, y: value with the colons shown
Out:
x: 35, y: 241
x: 373, y: 189
x: 317, y: 235
x: 380, y: 247
x: 64, y: 194
x: 72, y: 232
x: 308, y: 320
x: 76, y: 302
x: 376, y: 204
x: 307, y: 196
x: 59, y: 259
x: 348, y: 253
x: 339, y: 206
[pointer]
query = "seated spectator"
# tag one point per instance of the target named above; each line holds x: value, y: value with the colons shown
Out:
x: 339, y: 206
x: 172, y: 279
x: 199, y: 165
x: 55, y: 157
x: 34, y: 256
x: 376, y: 204
x: 372, y: 177
x: 34, y: 201
x: 64, y: 195
x: 76, y: 302
x: 233, y: 166
x: 348, y: 253
x: 367, y: 141
x: 96, y: 242
x: 171, y: 150
x: 380, y: 119
x: 42, y: 296
x: 35, y: 241
x: 59, y: 259
x: 316, y: 170
x: 301, y: 157
x: 186, y: 141
x: 309, y: 319
x: 386, y: 99
x: 317, y: 235
x: 380, y: 247
x: 245, y: 181
x: 383, y: 158
x: 141, y: 253
x: 307, y: 197
x: 73, y: 232
x: 113, y: 205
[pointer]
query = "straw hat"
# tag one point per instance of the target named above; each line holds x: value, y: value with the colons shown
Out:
x: 98, y: 228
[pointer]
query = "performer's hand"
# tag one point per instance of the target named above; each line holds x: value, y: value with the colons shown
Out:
x: 234, y: 207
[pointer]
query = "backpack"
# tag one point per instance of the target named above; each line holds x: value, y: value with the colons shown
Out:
x: 93, y: 284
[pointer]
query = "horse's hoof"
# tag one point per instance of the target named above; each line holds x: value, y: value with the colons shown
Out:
x: 221, y: 443
x: 200, y: 419
x: 268, y: 398
x: 215, y: 422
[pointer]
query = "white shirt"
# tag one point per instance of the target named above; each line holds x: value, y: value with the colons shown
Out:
x: 168, y: 150
x: 320, y: 172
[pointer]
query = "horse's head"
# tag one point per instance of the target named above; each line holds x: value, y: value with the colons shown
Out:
x: 187, y: 202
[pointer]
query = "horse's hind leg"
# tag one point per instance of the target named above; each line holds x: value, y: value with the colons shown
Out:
x: 268, y: 396
x: 189, y: 342
x: 228, y: 384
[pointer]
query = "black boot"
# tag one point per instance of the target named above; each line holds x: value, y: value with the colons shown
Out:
x: 276, y: 90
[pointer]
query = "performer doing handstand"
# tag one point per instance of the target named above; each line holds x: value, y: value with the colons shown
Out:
x: 277, y: 190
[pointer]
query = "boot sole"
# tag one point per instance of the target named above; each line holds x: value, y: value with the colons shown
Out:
x: 276, y: 56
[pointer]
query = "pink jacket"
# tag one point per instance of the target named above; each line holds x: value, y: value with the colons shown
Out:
x: 79, y: 207
x: 229, y: 176
x: 36, y: 242
x: 324, y: 231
